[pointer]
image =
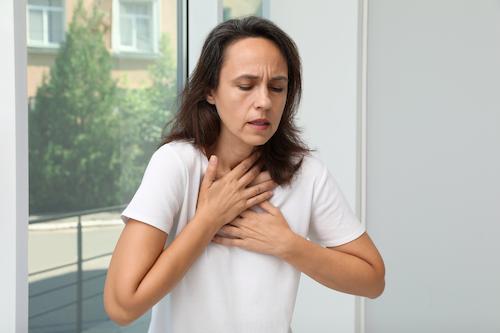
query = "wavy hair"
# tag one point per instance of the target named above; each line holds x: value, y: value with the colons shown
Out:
x: 197, y: 120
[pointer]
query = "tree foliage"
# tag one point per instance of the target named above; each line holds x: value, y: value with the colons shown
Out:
x: 89, y: 139
x: 143, y: 112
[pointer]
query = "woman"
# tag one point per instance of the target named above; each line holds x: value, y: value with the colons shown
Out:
x: 235, y: 262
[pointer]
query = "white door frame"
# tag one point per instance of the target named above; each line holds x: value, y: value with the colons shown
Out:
x: 14, y: 169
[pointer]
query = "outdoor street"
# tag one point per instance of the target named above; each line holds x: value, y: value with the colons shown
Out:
x: 53, y: 294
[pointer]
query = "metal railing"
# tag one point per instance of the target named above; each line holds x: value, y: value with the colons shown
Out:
x: 79, y: 263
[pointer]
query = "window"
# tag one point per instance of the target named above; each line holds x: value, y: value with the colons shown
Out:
x: 45, y: 23
x: 137, y: 27
x: 94, y: 122
x: 239, y: 8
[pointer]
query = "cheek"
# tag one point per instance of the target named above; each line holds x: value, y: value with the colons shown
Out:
x: 280, y: 107
x: 233, y: 113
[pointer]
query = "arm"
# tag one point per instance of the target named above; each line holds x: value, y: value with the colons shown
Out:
x: 141, y: 272
x: 355, y: 267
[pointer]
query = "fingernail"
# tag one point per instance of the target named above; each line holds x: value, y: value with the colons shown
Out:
x: 213, y: 159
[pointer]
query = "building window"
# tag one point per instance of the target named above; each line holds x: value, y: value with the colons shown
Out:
x: 45, y: 23
x: 240, y: 8
x: 137, y: 26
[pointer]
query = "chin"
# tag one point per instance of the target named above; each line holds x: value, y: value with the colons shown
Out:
x: 256, y: 141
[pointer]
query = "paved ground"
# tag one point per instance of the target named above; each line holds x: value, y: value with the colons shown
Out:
x: 53, y: 290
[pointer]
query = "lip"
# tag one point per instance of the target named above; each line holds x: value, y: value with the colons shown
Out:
x: 259, y: 127
x: 262, y: 120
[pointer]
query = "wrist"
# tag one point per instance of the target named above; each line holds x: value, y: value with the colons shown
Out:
x: 207, y: 221
x: 290, y: 242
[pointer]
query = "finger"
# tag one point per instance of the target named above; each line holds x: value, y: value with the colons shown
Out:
x: 269, y: 207
x: 262, y: 177
x: 248, y: 213
x: 236, y: 223
x: 258, y: 189
x: 245, y: 165
x: 259, y: 198
x: 228, y: 241
x: 232, y: 231
x: 250, y: 176
x: 221, y: 233
x: 210, y: 173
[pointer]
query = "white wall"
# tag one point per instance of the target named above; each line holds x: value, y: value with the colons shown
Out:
x: 13, y: 170
x: 326, y: 33
x: 434, y: 164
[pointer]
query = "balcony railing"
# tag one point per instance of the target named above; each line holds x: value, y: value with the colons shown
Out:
x: 79, y: 264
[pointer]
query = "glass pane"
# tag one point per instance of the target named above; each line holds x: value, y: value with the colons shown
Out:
x: 143, y: 9
x: 126, y: 31
x: 56, y: 3
x: 46, y: 3
x: 39, y: 2
x: 238, y: 8
x: 36, y: 25
x: 56, y: 27
x: 95, y: 118
x: 144, y: 37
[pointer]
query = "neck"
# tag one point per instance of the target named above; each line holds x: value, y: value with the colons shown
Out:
x: 230, y: 152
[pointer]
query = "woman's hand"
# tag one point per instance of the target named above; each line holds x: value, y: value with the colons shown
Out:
x: 267, y: 232
x: 221, y: 201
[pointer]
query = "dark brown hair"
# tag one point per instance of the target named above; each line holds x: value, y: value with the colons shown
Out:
x: 197, y: 120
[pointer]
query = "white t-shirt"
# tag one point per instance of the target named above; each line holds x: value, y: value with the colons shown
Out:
x: 229, y: 289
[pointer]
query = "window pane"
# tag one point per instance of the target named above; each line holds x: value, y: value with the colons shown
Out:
x: 39, y: 2
x: 46, y: 3
x: 95, y: 118
x: 238, y: 8
x: 136, y: 26
x: 56, y: 27
x: 36, y: 25
x: 126, y: 31
x: 137, y: 8
x: 56, y: 3
x: 144, y: 37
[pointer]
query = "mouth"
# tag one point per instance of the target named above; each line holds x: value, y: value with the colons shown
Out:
x: 259, y: 125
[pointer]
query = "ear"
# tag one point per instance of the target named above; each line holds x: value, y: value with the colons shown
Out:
x: 210, y: 98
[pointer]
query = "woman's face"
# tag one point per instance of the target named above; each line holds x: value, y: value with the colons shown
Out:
x: 253, y: 84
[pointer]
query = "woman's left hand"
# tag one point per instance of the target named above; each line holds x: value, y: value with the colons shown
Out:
x: 267, y: 232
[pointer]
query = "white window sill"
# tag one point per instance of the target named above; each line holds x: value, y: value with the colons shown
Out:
x: 44, y: 49
x: 136, y: 55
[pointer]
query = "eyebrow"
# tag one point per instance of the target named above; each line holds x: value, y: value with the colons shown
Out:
x: 255, y: 77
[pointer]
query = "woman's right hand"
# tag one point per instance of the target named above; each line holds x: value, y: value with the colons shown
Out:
x: 221, y: 201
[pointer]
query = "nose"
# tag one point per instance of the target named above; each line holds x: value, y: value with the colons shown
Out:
x: 262, y: 100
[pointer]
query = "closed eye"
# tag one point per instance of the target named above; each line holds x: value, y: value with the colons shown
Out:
x: 247, y: 88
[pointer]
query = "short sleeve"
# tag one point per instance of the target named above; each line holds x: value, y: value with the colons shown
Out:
x: 160, y: 194
x: 332, y: 221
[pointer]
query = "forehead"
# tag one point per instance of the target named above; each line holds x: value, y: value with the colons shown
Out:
x: 253, y: 54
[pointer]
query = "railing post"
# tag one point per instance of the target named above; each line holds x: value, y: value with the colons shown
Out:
x: 79, y: 277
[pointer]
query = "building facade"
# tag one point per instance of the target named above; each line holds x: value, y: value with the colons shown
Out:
x: 134, y: 29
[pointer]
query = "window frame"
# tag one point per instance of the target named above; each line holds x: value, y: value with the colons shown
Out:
x: 116, y: 44
x: 45, y: 30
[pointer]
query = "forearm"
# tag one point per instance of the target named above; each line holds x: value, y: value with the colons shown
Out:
x: 171, y: 266
x: 334, y: 269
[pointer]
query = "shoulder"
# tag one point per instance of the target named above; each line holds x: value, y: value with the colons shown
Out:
x: 312, y: 166
x: 185, y: 154
x: 182, y: 150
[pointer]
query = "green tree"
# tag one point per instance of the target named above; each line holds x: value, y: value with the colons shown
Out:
x: 73, y: 136
x: 143, y: 112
